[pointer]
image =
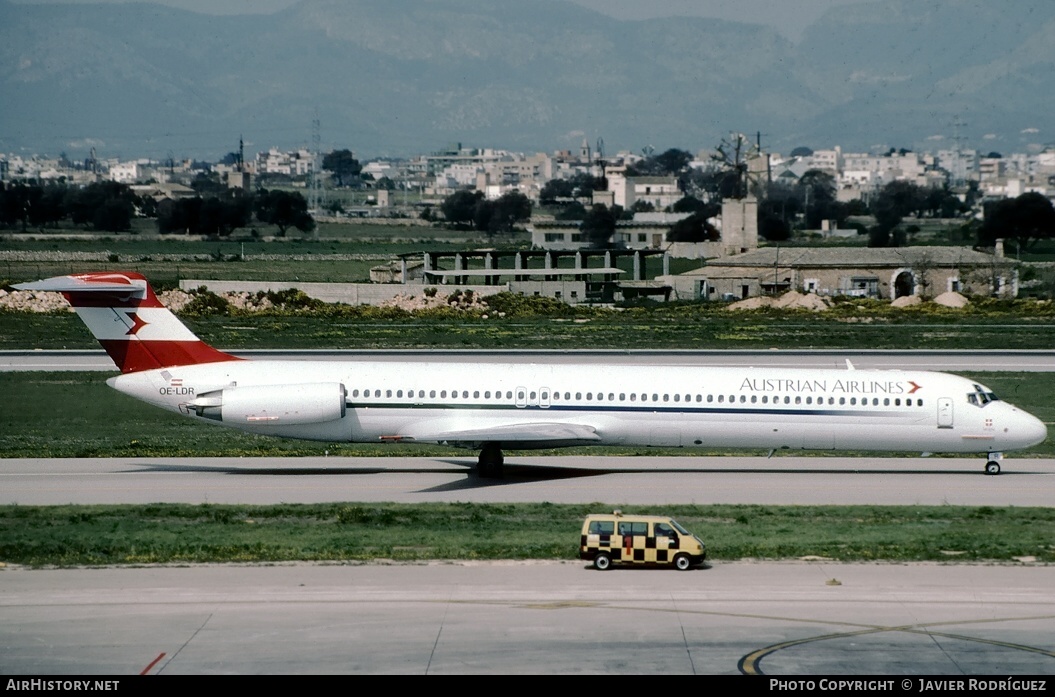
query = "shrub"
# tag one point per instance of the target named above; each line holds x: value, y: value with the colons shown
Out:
x: 515, y: 305
x: 205, y: 302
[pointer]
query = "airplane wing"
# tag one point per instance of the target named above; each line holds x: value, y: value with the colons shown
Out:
x: 522, y: 434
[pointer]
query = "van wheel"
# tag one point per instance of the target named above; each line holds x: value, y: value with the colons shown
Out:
x: 602, y: 562
x: 682, y: 562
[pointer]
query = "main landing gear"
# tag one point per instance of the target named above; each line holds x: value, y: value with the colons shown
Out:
x: 993, y: 466
x: 490, y: 463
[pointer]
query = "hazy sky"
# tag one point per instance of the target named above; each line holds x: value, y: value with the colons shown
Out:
x: 788, y: 16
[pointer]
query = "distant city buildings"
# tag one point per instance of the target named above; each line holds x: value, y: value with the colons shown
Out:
x: 736, y: 267
x: 497, y: 172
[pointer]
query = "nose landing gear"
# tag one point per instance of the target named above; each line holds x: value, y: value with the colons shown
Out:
x: 992, y: 467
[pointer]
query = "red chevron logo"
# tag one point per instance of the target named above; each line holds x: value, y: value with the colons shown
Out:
x: 914, y: 387
x: 137, y: 323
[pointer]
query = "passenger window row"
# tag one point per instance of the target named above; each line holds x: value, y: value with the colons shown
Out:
x: 644, y: 397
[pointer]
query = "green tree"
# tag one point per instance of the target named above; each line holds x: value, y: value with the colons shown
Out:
x: 951, y: 206
x: 16, y: 202
x: 343, y: 165
x: 113, y: 215
x: 781, y: 205
x: 212, y: 216
x: 48, y: 208
x: 178, y: 216
x: 107, y: 206
x: 556, y: 189
x: 895, y: 201
x: 1026, y: 219
x: 509, y: 209
x: 580, y: 186
x: 208, y: 184
x: 670, y: 162
x: 695, y: 228
x: 817, y: 190
x: 573, y: 211
x: 483, y: 212
x: 878, y: 237
x: 460, y: 207
x: 599, y: 225
x: 222, y: 216
x: 284, y: 209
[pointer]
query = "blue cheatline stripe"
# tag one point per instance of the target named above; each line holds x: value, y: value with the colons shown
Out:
x: 887, y: 413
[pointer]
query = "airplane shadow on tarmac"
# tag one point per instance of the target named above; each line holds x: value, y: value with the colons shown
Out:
x: 514, y: 474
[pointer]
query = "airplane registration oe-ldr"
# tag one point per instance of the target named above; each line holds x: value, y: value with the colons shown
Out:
x: 492, y: 406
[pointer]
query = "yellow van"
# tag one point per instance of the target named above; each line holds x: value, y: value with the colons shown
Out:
x: 614, y: 538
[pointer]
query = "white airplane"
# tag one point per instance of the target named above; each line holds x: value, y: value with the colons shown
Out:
x: 498, y: 405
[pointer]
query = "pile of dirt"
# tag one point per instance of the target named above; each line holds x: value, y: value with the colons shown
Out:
x: 33, y: 301
x: 244, y: 300
x: 790, y: 300
x: 175, y: 300
x: 752, y: 303
x: 799, y: 301
x: 456, y: 300
x: 952, y: 299
x: 906, y: 301
x: 410, y: 303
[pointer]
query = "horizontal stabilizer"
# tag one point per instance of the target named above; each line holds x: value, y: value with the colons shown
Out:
x: 76, y: 284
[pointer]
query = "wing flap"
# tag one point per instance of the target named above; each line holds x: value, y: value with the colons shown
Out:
x: 510, y: 433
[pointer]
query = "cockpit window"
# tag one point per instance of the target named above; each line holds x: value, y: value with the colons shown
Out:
x: 981, y: 396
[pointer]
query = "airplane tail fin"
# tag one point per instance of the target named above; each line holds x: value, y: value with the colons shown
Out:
x: 126, y: 317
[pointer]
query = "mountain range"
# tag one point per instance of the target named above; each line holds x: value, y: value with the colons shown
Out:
x: 398, y: 77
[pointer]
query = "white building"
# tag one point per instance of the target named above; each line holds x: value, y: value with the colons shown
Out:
x: 124, y: 172
x: 293, y: 164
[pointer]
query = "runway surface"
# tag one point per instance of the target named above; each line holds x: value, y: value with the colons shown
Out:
x: 1029, y: 361
x: 807, y: 619
x: 570, y: 479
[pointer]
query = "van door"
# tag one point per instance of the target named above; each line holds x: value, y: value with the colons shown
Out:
x: 634, y: 535
x: 666, y: 542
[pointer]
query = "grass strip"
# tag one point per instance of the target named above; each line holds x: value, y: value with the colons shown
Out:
x: 344, y: 532
x: 687, y: 327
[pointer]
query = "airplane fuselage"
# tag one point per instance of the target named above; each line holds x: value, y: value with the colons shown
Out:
x: 593, y: 403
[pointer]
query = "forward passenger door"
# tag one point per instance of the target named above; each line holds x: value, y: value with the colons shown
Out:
x: 944, y: 412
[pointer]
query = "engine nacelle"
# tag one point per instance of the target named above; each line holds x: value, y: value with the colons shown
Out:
x: 264, y: 405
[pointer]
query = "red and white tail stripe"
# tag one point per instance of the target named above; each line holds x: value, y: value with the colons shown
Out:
x: 126, y: 317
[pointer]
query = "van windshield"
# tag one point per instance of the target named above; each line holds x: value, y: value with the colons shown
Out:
x: 679, y: 528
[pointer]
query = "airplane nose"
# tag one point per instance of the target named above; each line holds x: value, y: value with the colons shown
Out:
x: 1029, y: 429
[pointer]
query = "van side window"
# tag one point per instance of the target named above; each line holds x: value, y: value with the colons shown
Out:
x: 633, y: 528
x: 601, y: 527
